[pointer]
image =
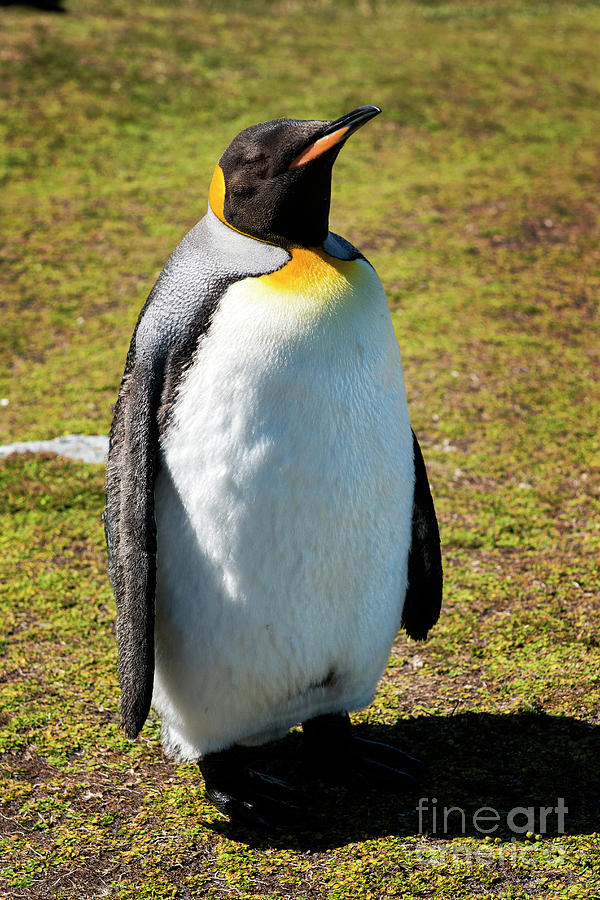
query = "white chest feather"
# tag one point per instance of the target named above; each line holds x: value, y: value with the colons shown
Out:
x: 283, y: 513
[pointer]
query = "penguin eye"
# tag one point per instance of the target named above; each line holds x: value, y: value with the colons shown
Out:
x: 255, y: 156
x: 241, y: 192
x: 257, y: 166
x: 244, y: 183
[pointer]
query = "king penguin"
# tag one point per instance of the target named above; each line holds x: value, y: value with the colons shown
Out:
x: 269, y: 521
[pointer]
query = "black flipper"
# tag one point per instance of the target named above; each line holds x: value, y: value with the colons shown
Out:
x: 131, y: 535
x: 425, y: 578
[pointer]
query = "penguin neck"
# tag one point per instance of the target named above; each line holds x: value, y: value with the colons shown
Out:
x: 302, y: 277
x: 303, y: 263
x: 312, y: 269
x: 314, y: 286
x: 300, y: 284
x: 238, y: 252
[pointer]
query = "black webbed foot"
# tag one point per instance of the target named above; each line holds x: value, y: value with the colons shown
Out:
x: 246, y: 796
x: 334, y: 753
x: 391, y: 762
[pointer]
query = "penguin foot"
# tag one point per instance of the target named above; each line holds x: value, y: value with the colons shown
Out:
x: 248, y: 797
x: 334, y: 753
x: 374, y: 763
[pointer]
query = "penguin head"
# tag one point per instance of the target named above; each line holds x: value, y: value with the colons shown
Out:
x: 274, y: 180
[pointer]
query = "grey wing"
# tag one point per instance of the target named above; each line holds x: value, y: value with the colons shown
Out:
x: 425, y: 577
x: 131, y: 534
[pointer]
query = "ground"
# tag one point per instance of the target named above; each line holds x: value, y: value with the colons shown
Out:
x: 475, y: 196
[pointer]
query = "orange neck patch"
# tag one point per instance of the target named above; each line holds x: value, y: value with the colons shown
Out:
x: 312, y: 270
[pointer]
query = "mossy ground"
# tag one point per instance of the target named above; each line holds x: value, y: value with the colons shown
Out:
x: 475, y: 196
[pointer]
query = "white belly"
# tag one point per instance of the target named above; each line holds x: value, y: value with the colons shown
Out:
x: 283, y: 512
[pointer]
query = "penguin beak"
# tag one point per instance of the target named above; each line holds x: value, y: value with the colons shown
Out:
x: 336, y: 132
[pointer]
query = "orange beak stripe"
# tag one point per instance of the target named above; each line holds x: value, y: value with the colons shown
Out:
x: 319, y: 147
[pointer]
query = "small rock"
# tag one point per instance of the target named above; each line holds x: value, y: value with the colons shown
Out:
x: 91, y: 448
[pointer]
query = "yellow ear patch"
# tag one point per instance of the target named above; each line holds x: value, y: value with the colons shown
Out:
x: 216, y: 194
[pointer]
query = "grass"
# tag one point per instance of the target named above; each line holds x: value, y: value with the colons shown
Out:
x: 475, y: 196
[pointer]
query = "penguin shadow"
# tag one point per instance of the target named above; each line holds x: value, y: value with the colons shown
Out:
x: 515, y: 766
